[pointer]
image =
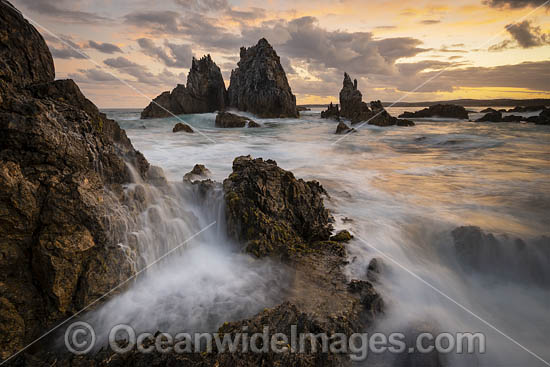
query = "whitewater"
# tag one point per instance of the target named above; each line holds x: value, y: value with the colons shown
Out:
x: 399, y: 190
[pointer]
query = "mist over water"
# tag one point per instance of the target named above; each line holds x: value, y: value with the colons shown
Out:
x: 405, y: 189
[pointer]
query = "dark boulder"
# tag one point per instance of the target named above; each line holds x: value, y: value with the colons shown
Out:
x: 62, y: 165
x: 204, y: 92
x: 487, y: 110
x: 259, y: 84
x: 342, y: 128
x: 230, y: 120
x: 271, y: 211
x: 199, y: 171
x: 439, y: 110
x: 543, y: 118
x: 513, y: 118
x: 491, y: 117
x: 381, y: 117
x: 180, y: 126
x: 303, y: 108
x: 332, y: 112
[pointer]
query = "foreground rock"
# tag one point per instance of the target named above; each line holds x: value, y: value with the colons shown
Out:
x: 493, y: 116
x: 230, y: 120
x: 542, y: 119
x: 204, y: 92
x: 62, y: 164
x: 271, y: 211
x: 354, y: 109
x: 439, y: 110
x: 259, y: 84
x: 180, y: 126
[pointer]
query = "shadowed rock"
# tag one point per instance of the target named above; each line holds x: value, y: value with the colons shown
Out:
x: 494, y: 116
x: 199, y: 171
x: 342, y: 128
x: 204, y: 92
x: 62, y: 164
x: 259, y: 84
x: 439, y: 110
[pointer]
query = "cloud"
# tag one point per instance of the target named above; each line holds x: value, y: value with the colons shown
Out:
x: 64, y: 47
x: 63, y: 10
x: 66, y: 53
x: 92, y: 76
x: 107, y: 48
x: 513, y: 4
x: 203, y: 5
x: 178, y: 56
x: 524, y: 35
x: 430, y: 21
x: 141, y: 73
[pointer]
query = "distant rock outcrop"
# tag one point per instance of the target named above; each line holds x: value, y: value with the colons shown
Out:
x: 439, y: 110
x: 62, y: 164
x: 493, y: 116
x: 354, y: 109
x: 332, y: 112
x: 205, y: 92
x: 259, y: 84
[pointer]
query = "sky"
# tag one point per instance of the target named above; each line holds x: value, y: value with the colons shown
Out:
x: 124, y: 52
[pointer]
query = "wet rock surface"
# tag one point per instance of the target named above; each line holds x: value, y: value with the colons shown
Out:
x: 231, y: 120
x: 493, y: 116
x: 199, y: 171
x: 259, y: 84
x: 61, y: 166
x: 205, y: 92
x: 180, y: 126
x: 439, y: 110
x: 271, y: 211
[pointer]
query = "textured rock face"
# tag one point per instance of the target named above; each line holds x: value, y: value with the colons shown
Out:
x: 271, y: 211
x: 439, y: 110
x: 24, y: 57
x: 352, y: 106
x: 58, y: 225
x: 342, y: 128
x: 259, y: 84
x: 204, y: 92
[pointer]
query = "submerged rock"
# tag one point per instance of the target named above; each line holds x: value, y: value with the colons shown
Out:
x: 199, y: 171
x: 204, y: 92
x: 342, y: 236
x: 259, y: 84
x: 62, y: 163
x: 342, y: 128
x: 180, y: 126
x: 439, y: 110
x: 303, y: 108
x: 230, y: 120
x: 332, y: 112
x: 271, y: 211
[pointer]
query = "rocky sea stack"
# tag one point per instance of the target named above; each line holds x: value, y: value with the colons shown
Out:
x: 354, y: 109
x: 205, y: 92
x: 62, y: 164
x: 259, y: 84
